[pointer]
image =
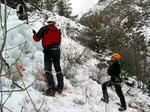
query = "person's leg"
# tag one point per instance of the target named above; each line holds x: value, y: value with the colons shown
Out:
x: 59, y: 74
x: 121, y: 96
x: 104, y: 89
x: 60, y: 81
x: 48, y: 69
x: 56, y: 60
x: 47, y: 61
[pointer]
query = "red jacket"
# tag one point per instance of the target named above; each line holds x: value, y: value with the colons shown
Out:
x: 50, y: 35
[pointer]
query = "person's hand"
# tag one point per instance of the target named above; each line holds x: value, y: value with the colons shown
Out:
x: 109, y: 62
x: 33, y: 31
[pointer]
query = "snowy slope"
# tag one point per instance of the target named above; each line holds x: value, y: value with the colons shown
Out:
x: 102, y: 5
x: 82, y: 94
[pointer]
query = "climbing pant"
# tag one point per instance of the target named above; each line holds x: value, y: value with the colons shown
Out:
x: 117, y: 89
x: 52, y: 56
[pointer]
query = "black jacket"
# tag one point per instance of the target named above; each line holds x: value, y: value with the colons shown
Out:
x: 114, y: 70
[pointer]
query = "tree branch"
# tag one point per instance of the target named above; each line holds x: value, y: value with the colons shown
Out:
x: 24, y: 23
x: 19, y: 90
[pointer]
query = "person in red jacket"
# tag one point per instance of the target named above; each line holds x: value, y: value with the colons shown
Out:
x: 51, y: 38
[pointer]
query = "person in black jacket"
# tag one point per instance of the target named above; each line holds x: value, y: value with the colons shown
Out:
x: 114, y: 71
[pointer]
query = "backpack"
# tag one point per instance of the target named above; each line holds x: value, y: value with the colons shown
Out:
x: 52, y: 36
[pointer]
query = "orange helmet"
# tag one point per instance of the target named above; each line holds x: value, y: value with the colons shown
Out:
x: 116, y: 56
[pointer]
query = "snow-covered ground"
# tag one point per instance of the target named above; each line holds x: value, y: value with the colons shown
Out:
x: 82, y: 94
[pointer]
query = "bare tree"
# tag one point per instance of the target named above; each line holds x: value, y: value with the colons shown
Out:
x: 3, y: 63
x: 4, y: 29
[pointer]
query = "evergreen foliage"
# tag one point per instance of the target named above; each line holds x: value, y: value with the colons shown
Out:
x: 64, y: 8
x: 50, y: 4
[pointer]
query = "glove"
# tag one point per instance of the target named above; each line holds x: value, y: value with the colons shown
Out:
x: 33, y: 31
x: 109, y: 62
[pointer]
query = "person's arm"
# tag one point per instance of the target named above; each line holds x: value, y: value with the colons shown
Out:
x: 35, y: 38
x: 109, y: 71
x: 117, y: 69
x: 60, y: 36
x: 39, y: 35
x: 117, y: 73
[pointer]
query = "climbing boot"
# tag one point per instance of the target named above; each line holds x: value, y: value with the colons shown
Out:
x: 59, y: 89
x: 105, y: 100
x: 122, y: 108
x: 49, y: 92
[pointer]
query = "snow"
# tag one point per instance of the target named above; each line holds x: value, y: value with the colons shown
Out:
x: 147, y: 32
x: 139, y: 9
x: 82, y: 95
x: 124, y: 21
x: 81, y: 6
x: 101, y: 5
